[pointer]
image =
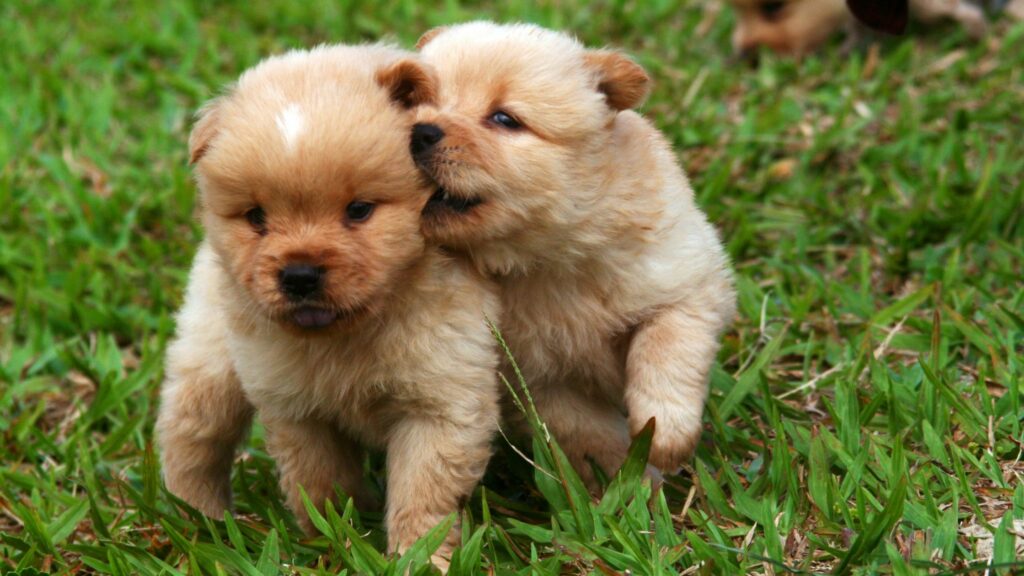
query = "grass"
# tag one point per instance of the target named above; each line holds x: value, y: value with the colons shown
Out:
x: 865, y: 416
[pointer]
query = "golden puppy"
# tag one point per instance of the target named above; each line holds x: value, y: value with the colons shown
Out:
x: 615, y: 287
x: 797, y: 27
x: 315, y: 299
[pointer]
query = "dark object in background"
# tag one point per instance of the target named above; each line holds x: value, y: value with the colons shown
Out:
x: 888, y: 16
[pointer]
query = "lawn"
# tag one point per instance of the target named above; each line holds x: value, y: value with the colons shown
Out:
x: 865, y: 414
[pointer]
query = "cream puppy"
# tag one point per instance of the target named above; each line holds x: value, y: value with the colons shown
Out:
x: 797, y: 27
x: 315, y: 300
x: 615, y: 288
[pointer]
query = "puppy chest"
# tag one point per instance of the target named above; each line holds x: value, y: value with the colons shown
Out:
x: 303, y: 381
x: 559, y: 335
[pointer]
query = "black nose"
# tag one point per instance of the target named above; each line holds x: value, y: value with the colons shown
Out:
x: 300, y: 281
x: 424, y: 137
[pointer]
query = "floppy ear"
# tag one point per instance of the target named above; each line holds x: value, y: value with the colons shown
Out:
x: 204, y: 130
x: 428, y: 36
x: 624, y: 83
x: 409, y: 82
x: 885, y: 15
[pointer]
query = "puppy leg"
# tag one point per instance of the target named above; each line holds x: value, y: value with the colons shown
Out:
x: 433, y: 466
x: 666, y: 377
x: 203, y: 417
x: 587, y: 428
x: 315, y: 455
x: 204, y: 413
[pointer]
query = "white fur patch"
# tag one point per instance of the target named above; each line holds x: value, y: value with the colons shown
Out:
x: 291, y: 123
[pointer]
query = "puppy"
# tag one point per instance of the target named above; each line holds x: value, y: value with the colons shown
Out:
x: 798, y: 27
x: 615, y: 288
x: 315, y: 300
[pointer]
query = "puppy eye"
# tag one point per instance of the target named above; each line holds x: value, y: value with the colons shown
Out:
x: 772, y: 10
x: 257, y: 218
x: 504, y: 119
x: 358, y: 211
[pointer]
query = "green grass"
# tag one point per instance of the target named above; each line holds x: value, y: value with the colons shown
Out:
x: 865, y: 415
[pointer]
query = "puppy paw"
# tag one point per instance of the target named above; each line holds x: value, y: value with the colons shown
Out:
x: 608, y: 458
x: 670, y: 455
x: 213, y: 499
x: 675, y: 437
x: 442, y: 562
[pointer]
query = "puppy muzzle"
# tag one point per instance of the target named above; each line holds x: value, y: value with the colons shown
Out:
x: 423, y: 142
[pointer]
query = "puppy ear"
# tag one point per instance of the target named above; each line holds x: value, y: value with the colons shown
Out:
x: 204, y: 130
x: 428, y: 36
x: 409, y: 82
x: 624, y: 83
x: 885, y: 15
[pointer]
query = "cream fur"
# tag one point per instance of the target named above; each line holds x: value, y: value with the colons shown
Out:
x: 615, y: 288
x: 409, y: 366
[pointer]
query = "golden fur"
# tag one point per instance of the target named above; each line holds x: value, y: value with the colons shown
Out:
x: 614, y: 286
x: 797, y: 27
x: 398, y: 355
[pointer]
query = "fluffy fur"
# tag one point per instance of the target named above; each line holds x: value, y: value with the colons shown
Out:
x: 797, y: 27
x: 392, y: 352
x: 614, y: 286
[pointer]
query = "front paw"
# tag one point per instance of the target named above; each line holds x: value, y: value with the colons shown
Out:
x: 669, y: 454
x: 210, y: 496
x: 405, y: 531
x: 442, y: 560
x: 675, y: 438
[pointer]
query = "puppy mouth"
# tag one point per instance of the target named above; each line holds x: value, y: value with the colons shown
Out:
x: 315, y: 318
x: 444, y: 201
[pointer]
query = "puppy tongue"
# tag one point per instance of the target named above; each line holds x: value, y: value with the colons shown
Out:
x: 314, y: 317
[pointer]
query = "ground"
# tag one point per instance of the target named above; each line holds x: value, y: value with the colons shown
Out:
x: 865, y: 414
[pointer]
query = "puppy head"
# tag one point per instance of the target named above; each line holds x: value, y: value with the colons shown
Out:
x: 788, y: 27
x: 522, y: 116
x: 308, y: 193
